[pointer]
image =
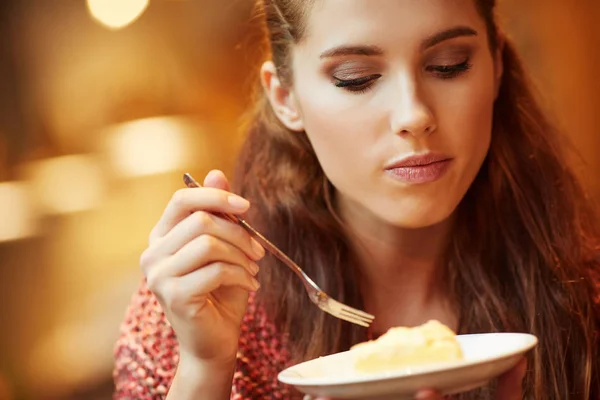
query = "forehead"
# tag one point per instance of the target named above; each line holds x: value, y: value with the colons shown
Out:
x: 333, y: 23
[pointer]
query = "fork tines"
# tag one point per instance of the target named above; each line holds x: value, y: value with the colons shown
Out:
x: 349, y: 314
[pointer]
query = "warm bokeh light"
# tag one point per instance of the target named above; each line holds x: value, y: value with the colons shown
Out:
x: 16, y: 214
x: 116, y: 14
x: 66, y: 184
x: 149, y: 146
x: 75, y: 351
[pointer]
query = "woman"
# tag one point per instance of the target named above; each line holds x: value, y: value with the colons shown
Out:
x: 399, y: 157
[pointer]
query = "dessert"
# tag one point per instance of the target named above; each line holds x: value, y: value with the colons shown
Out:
x: 402, y: 347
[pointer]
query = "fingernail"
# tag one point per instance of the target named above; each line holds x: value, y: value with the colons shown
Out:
x: 258, y: 250
x: 254, y: 268
x: 238, y: 202
x: 255, y: 284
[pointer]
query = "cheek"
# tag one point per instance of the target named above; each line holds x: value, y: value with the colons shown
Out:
x: 466, y: 121
x: 342, y: 138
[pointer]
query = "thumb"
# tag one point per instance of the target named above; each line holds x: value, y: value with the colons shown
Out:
x: 217, y: 180
x: 510, y: 384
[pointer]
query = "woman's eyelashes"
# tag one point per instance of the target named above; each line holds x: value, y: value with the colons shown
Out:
x: 357, y: 85
x: 449, y: 71
x: 361, y: 84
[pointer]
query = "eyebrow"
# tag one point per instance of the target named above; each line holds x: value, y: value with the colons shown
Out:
x: 448, y: 34
x: 352, y: 51
x: 431, y: 41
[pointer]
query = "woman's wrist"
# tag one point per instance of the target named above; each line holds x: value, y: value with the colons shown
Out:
x: 210, y: 378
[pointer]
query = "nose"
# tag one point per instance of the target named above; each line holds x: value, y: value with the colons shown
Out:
x: 410, y: 114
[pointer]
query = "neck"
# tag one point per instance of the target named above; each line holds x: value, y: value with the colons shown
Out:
x: 400, y: 270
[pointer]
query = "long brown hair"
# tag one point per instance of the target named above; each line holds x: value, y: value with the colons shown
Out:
x: 524, y: 253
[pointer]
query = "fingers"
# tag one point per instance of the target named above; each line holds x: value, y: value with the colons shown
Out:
x: 186, y: 240
x: 199, y: 252
x: 510, y: 384
x: 176, y: 293
x: 186, y: 201
x: 198, y: 224
x: 220, y: 274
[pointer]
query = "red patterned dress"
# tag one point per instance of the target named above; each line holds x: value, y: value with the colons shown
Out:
x: 147, y: 354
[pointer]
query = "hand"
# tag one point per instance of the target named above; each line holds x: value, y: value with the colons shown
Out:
x: 201, y: 267
x: 509, y: 386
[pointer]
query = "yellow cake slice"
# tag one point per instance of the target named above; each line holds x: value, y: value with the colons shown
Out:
x: 401, y: 347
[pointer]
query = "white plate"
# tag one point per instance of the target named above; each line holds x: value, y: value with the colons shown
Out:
x: 486, y: 357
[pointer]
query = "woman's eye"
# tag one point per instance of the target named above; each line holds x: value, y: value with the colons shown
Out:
x: 449, y: 71
x: 362, y: 84
x: 357, y: 85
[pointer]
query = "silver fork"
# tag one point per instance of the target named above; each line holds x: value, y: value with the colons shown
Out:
x: 316, y: 295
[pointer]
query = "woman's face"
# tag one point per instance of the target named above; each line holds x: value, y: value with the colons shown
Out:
x: 396, y: 97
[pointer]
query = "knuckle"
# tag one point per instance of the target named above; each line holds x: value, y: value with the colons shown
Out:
x: 202, y: 221
x: 179, y: 198
x: 145, y: 261
x: 207, y: 243
x: 224, y: 271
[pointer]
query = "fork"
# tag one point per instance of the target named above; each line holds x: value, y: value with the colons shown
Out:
x: 316, y: 295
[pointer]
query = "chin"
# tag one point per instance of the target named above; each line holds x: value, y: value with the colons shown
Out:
x: 419, y: 217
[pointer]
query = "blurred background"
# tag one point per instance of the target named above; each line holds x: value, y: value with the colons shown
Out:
x: 104, y: 103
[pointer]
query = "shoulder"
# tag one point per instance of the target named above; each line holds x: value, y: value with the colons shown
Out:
x: 146, y: 353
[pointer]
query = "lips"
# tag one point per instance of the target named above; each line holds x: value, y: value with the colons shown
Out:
x: 417, y: 161
x: 417, y: 169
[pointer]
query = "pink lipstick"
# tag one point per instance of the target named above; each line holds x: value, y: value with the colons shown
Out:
x: 424, y: 168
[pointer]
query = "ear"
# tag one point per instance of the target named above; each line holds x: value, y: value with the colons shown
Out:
x: 499, y: 63
x: 281, y: 98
